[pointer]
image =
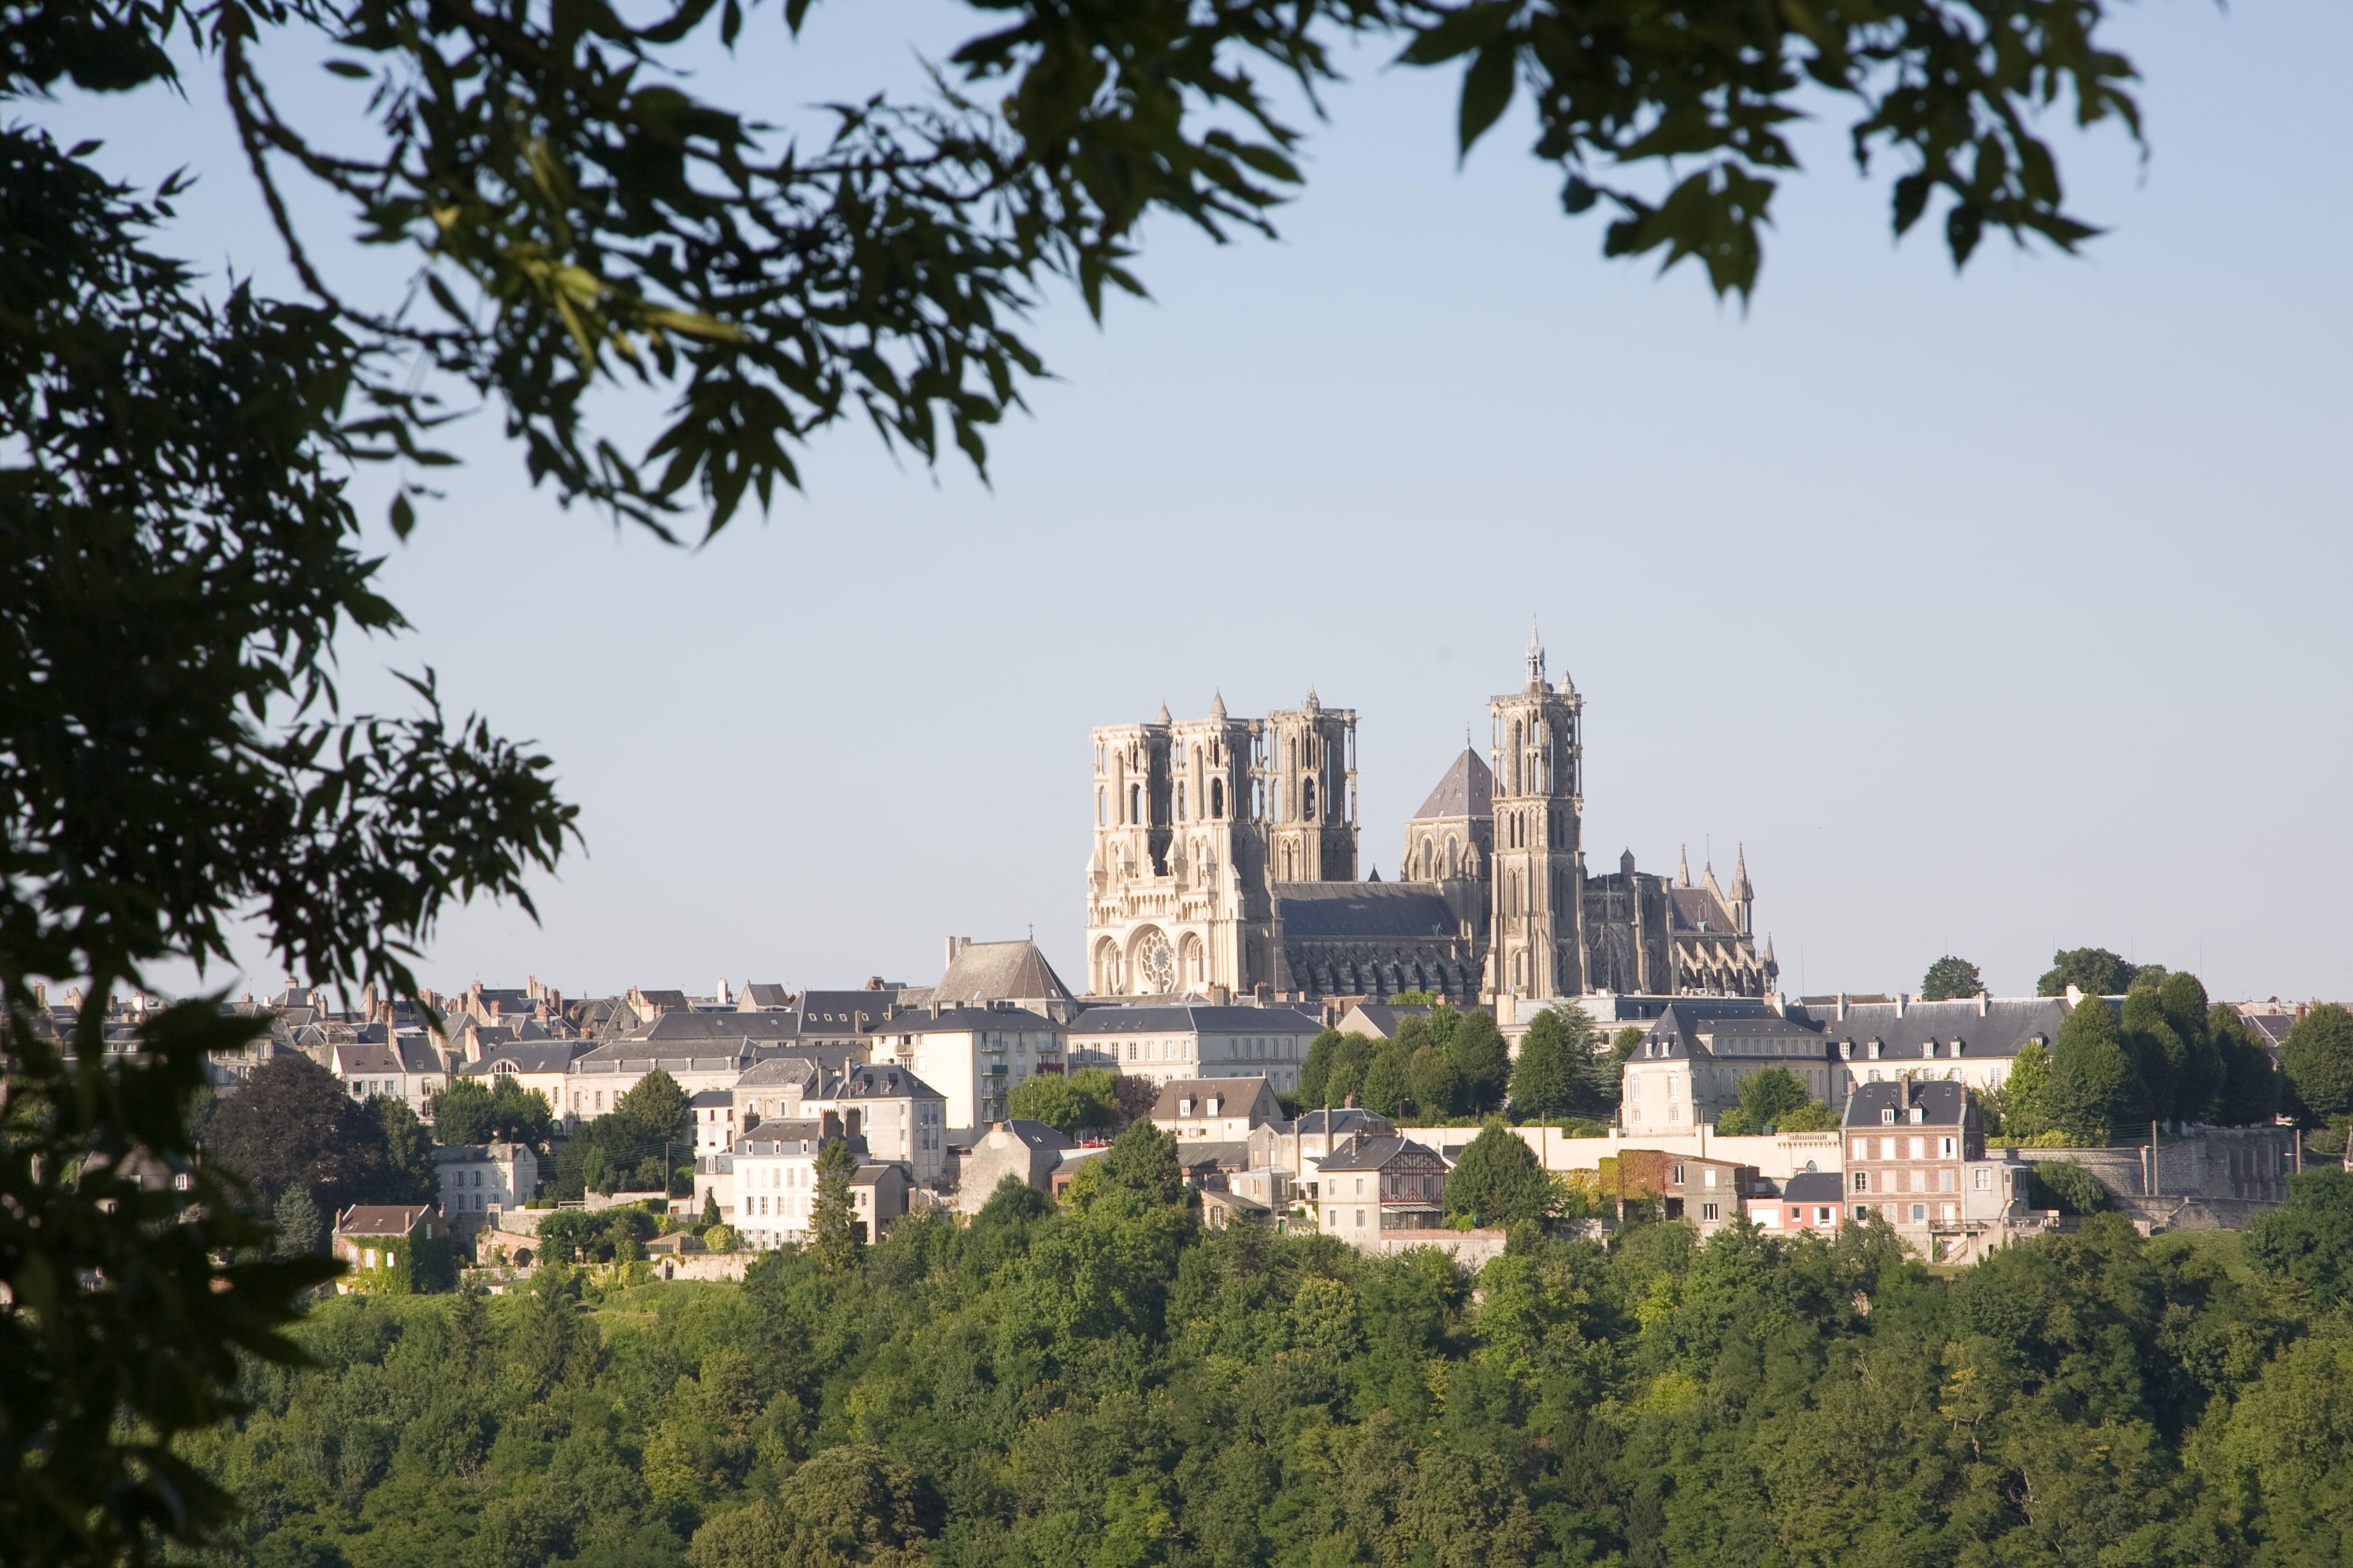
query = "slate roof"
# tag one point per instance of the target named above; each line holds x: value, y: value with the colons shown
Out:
x: 1362, y: 911
x: 1387, y: 1015
x: 713, y: 1098
x: 770, y: 1137
x: 2006, y: 1025
x: 1686, y: 1018
x: 1942, y: 1103
x: 1037, y: 1134
x: 758, y: 994
x: 1343, y: 1120
x: 1467, y: 790
x: 776, y: 1070
x: 1236, y: 1097
x: 1000, y: 972
x: 1184, y: 1017
x: 470, y: 1153
x: 2271, y: 1028
x: 1372, y: 1154
x: 838, y: 1011
x: 960, y: 1020
x: 700, y: 1029
x: 1814, y: 1187
x: 1696, y: 908
x: 529, y: 1055
x: 381, y: 1219
x: 880, y: 1080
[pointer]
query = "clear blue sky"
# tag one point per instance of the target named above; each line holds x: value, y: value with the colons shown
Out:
x: 1992, y: 614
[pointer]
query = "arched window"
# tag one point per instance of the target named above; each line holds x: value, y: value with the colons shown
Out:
x: 1180, y: 803
x: 1216, y: 800
x: 1309, y: 801
x: 1135, y: 803
x: 1102, y: 809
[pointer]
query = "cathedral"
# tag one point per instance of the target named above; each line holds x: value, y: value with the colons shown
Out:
x: 1225, y: 865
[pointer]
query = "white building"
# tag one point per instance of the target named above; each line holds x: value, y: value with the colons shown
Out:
x: 1197, y: 1039
x: 714, y: 1121
x: 1227, y: 1108
x: 975, y: 1057
x: 485, y: 1178
x: 406, y: 1067
x: 773, y: 1171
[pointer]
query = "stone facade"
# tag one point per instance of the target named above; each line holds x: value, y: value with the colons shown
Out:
x: 1225, y: 865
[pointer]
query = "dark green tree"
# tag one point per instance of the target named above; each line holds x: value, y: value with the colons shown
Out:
x: 292, y: 1125
x: 295, y: 1219
x: 2067, y: 1186
x: 656, y: 1111
x: 2251, y: 1088
x: 1482, y: 1060
x: 409, y: 1173
x: 2198, y: 1095
x: 1550, y: 1076
x: 1444, y: 1018
x: 710, y: 1216
x: 1499, y: 1181
x: 1951, y: 977
x: 837, y: 1235
x: 2024, y: 1103
x: 1315, y: 1072
x: 2316, y: 1060
x: 2310, y: 1239
x: 472, y: 1111
x: 1432, y: 1084
x: 1386, y: 1087
x: 2093, y: 971
x: 1350, y: 1063
x: 1052, y: 1099
x: 2159, y: 1055
x: 1767, y: 1096
x: 2095, y: 1090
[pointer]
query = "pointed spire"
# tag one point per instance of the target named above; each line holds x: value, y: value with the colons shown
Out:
x: 1535, y: 654
x: 1311, y: 703
x: 1683, y: 868
x: 1164, y: 714
x: 1740, y: 889
x: 1218, y: 704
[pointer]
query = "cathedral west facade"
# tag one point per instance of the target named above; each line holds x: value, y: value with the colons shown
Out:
x: 1225, y: 864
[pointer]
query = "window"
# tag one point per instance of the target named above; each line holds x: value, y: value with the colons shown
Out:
x: 1944, y: 1148
x: 1360, y: 1193
x: 1678, y: 1176
x: 1919, y: 1214
x: 1862, y: 1147
x: 1929, y: 1050
x: 1981, y: 1179
x: 1707, y: 1178
x: 1918, y: 1116
x: 1360, y: 1218
x: 1862, y: 1181
x: 1919, y: 1150
x: 1795, y: 1216
x: 1707, y: 1211
x: 1886, y: 1117
x: 1946, y: 1178
x: 1823, y: 1214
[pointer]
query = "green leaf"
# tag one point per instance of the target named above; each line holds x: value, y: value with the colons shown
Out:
x: 1486, y: 91
x: 403, y: 517
x: 1578, y: 196
x: 351, y: 69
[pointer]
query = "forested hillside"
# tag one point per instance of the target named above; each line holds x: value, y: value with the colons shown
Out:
x: 1106, y: 1386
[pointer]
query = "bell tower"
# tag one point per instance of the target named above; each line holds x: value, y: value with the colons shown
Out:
x: 1536, y: 943
x: 1307, y: 776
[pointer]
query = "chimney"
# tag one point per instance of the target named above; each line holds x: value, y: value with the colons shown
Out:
x: 1983, y: 1004
x: 1842, y: 1006
x: 1903, y: 1002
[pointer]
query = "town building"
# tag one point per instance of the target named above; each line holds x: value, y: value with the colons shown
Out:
x: 975, y: 1055
x: 1811, y: 1201
x: 1916, y: 1157
x: 898, y: 1116
x: 1370, y: 1186
x: 403, y: 1068
x: 376, y: 1241
x: 1711, y: 1194
x: 1297, y: 1146
x: 1189, y: 1039
x: 773, y: 1168
x: 879, y: 1197
x: 1227, y: 1108
x: 539, y: 1066
x: 1028, y: 1151
x: 714, y: 1120
x: 484, y: 1179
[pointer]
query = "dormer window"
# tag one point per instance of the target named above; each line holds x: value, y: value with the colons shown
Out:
x: 1918, y: 1116
x: 1928, y: 1050
x: 1846, y: 1050
x: 1872, y: 1050
x: 1887, y: 1118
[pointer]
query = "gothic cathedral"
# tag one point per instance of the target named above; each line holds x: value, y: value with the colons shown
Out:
x: 1225, y: 865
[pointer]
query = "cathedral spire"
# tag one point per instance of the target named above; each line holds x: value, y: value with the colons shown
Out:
x: 1741, y: 891
x: 1682, y: 870
x: 1164, y: 714
x: 1218, y: 704
x: 1535, y: 654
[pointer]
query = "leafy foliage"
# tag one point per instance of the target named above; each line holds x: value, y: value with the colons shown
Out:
x: 1553, y: 1073
x: 472, y: 1111
x: 1482, y: 1061
x: 1071, y: 1103
x: 1951, y: 977
x: 2093, y: 971
x: 2069, y: 1187
x: 2095, y: 1088
x: 1499, y: 1181
x: 2316, y: 1060
x: 2311, y: 1240
x: 836, y: 1233
x: 291, y: 1125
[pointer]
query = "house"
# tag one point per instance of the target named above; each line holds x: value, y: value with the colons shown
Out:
x: 1028, y: 1150
x: 773, y: 1168
x: 403, y: 1068
x: 714, y: 1183
x: 599, y: 1078
x: 375, y: 1240
x: 1295, y: 1146
x: 1269, y: 1187
x: 1161, y: 1041
x: 772, y: 1089
x: 541, y: 1067
x: 1227, y: 1108
x: 1711, y: 1194
x: 714, y: 1120
x: 1219, y: 1205
x: 1370, y: 1185
x: 974, y: 1055
x: 878, y: 1196
x: 1810, y: 1201
x: 985, y: 973
x: 485, y: 1179
x: 898, y: 1115
x: 1378, y: 1020
x: 1916, y: 1157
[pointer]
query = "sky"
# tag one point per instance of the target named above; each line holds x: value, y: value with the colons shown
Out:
x: 1992, y: 613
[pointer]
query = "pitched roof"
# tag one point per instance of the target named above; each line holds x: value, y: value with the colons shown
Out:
x: 1237, y: 1096
x: 1467, y: 790
x: 1405, y: 911
x: 2005, y: 1026
x: 757, y: 994
x: 1342, y: 1119
x: 529, y: 1055
x: 1941, y: 1103
x: 777, y: 1071
x: 1372, y: 1154
x: 697, y: 1028
x: 1035, y: 1134
x: 1182, y: 1017
x: 1000, y: 972
x: 876, y: 1081
x: 956, y: 1020
x: 1814, y: 1187
x: 381, y: 1219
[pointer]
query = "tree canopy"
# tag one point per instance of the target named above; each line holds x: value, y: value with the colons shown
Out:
x: 2316, y: 1060
x: 1499, y: 1181
x: 292, y: 1125
x: 1951, y: 977
x: 471, y: 1110
x: 2095, y: 1089
x: 1552, y: 1073
x: 2093, y: 971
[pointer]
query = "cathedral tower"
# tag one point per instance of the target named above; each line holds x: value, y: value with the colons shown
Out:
x: 1308, y: 773
x: 1536, y: 945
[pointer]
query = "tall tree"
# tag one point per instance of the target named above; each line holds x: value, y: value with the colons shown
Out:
x: 837, y: 1235
x: 1482, y: 1060
x: 295, y: 1220
x: 1951, y: 977
x: 2251, y: 1087
x: 1385, y: 1089
x: 2310, y: 1239
x: 2093, y: 971
x: 472, y: 1111
x: 2316, y: 1060
x: 2159, y: 1055
x: 1350, y: 1062
x: 1767, y: 1095
x: 409, y: 1174
x: 1052, y: 1099
x: 1549, y: 1077
x: 292, y: 1125
x: 2095, y: 1089
x: 1499, y: 1181
x: 2182, y: 999
x: 2024, y: 1096
x: 1315, y: 1072
x: 1432, y: 1084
